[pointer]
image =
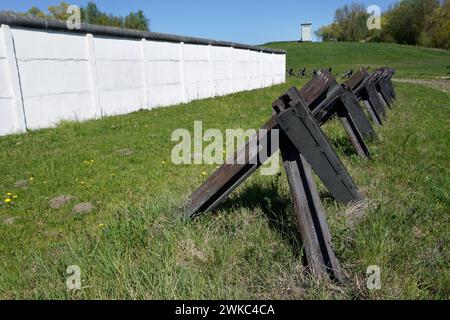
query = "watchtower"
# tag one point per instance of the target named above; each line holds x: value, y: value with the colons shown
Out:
x: 306, y: 35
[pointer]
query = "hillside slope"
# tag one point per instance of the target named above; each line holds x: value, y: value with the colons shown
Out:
x: 409, y: 61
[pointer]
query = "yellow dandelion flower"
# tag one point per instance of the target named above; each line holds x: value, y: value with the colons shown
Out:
x: 15, y: 196
x: 163, y: 162
x: 31, y: 178
x: 9, y: 194
x: 82, y: 182
x: 204, y: 173
x: 8, y: 200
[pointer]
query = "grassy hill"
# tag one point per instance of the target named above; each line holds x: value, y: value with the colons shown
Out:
x: 133, y: 245
x: 409, y: 61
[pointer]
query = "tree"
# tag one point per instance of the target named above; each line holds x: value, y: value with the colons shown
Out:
x: 35, y: 11
x: 410, y: 21
x: 92, y: 14
x: 137, y: 21
x: 414, y: 22
x: 436, y: 30
x: 350, y: 24
x: 60, y: 11
x: 380, y: 35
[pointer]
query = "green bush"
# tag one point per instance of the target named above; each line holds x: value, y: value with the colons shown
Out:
x: 413, y: 22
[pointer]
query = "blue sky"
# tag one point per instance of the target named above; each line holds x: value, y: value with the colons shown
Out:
x: 245, y: 21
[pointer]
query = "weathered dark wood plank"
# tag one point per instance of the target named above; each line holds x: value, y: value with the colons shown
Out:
x: 389, y: 73
x: 317, y: 89
x: 354, y: 135
x: 333, y: 105
x: 357, y: 80
x: 362, y: 87
x: 386, y: 90
x: 229, y: 176
x: 329, y: 99
x: 299, y: 125
x: 383, y: 95
x: 355, y: 111
x: 311, y: 221
x: 376, y: 100
x: 327, y: 105
x: 391, y: 86
x: 375, y: 78
x: 373, y: 114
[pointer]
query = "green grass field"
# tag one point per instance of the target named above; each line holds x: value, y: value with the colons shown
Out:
x: 407, y: 60
x: 134, y: 246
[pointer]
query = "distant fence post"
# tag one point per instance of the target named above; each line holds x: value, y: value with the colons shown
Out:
x: 16, y: 122
x: 93, y: 75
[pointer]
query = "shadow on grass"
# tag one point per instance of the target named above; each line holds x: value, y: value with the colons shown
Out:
x: 275, y: 207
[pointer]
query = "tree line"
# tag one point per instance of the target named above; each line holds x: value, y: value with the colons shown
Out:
x: 92, y: 14
x: 414, y: 22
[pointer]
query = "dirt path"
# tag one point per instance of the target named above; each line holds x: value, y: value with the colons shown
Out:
x: 442, y: 84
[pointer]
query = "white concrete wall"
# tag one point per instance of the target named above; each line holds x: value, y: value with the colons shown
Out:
x: 12, y: 117
x: 54, y: 77
x: 47, y: 77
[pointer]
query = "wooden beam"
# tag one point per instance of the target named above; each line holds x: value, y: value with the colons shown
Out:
x: 360, y: 120
x: 361, y: 84
x: 231, y: 175
x: 376, y: 101
x: 375, y: 78
x: 311, y: 220
x: 297, y: 122
x: 325, y: 98
x: 336, y: 103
